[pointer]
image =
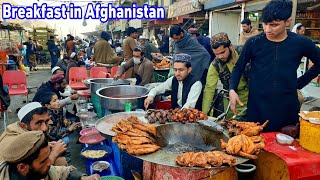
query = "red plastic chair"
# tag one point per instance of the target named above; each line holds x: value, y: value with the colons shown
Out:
x: 102, y: 74
x: 95, y: 71
x: 114, y: 70
x: 76, y: 76
x: 16, y: 82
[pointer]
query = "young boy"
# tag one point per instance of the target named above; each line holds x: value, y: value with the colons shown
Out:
x: 59, y: 128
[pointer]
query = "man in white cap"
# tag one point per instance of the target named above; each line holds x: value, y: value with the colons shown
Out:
x: 57, y: 70
x: 27, y: 157
x: 185, y: 88
x: 33, y: 117
x: 147, y: 47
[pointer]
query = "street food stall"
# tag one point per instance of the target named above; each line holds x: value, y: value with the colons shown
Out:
x: 10, y: 43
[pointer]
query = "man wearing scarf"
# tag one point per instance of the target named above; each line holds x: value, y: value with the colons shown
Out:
x: 185, y: 43
x: 27, y: 158
x: 226, y: 57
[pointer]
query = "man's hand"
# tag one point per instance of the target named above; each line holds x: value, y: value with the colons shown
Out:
x: 234, y: 100
x: 74, y: 96
x: 147, y: 102
x: 57, y: 148
x: 92, y: 177
x: 74, y: 126
x: 116, y: 76
x: 73, y: 91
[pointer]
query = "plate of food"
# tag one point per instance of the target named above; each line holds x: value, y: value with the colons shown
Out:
x: 96, y: 152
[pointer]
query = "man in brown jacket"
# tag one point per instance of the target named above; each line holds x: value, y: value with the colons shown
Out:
x: 103, y: 53
x: 128, y: 46
x: 142, y: 68
x: 247, y: 31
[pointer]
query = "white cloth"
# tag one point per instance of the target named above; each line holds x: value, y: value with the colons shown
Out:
x: 193, y: 95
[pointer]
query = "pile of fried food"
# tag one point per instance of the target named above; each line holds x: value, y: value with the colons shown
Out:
x: 164, y: 64
x: 244, y: 146
x: 187, y: 115
x: 135, y: 136
x: 205, y: 159
x: 246, y: 128
x: 247, y: 140
x: 161, y: 116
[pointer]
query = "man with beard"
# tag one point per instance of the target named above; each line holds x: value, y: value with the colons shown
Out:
x: 275, y: 56
x: 247, y: 31
x: 221, y: 68
x: 56, y: 84
x: 33, y: 117
x: 27, y: 158
x: 185, y: 89
x: 185, y: 43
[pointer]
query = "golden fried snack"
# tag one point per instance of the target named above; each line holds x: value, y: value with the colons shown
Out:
x: 242, y: 145
x: 142, y: 149
x: 142, y: 126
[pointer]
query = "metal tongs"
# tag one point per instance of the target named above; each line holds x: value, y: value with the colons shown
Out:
x: 211, y: 125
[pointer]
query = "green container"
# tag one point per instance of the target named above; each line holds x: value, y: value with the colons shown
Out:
x: 95, y: 99
x: 111, y: 178
x: 160, y: 75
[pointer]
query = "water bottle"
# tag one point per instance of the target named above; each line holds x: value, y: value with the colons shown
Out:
x: 127, y: 107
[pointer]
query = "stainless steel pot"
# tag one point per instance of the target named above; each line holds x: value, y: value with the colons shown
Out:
x: 98, y: 83
x: 114, y: 98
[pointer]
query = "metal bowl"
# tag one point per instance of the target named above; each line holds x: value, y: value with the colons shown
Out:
x: 98, y: 83
x: 100, y: 166
x: 114, y: 98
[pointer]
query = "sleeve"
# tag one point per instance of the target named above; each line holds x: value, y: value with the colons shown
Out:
x: 209, y: 90
x: 132, y: 44
x: 312, y: 52
x: 125, y: 67
x: 147, y: 74
x: 65, y: 101
x: 193, y: 95
x: 162, y: 88
x: 75, y: 175
x: 240, y: 65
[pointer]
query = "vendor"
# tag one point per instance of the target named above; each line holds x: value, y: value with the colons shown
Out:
x: 185, y: 88
x: 226, y: 57
x: 143, y: 68
x: 275, y: 56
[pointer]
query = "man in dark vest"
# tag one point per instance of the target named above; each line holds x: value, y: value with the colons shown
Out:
x: 221, y: 68
x: 185, y: 88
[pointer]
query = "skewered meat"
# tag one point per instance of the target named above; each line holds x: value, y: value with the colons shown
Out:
x: 161, y: 116
x: 244, y: 146
x: 205, y: 159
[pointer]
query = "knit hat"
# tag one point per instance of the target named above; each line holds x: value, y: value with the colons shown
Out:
x: 55, y: 68
x: 219, y: 38
x: 57, y: 77
x: 106, y: 36
x: 182, y: 57
x: 28, y: 108
x: 22, y: 146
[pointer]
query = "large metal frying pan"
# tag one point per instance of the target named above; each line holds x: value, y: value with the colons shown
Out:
x: 174, y: 138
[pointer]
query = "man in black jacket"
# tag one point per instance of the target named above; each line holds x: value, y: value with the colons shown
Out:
x: 164, y: 43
